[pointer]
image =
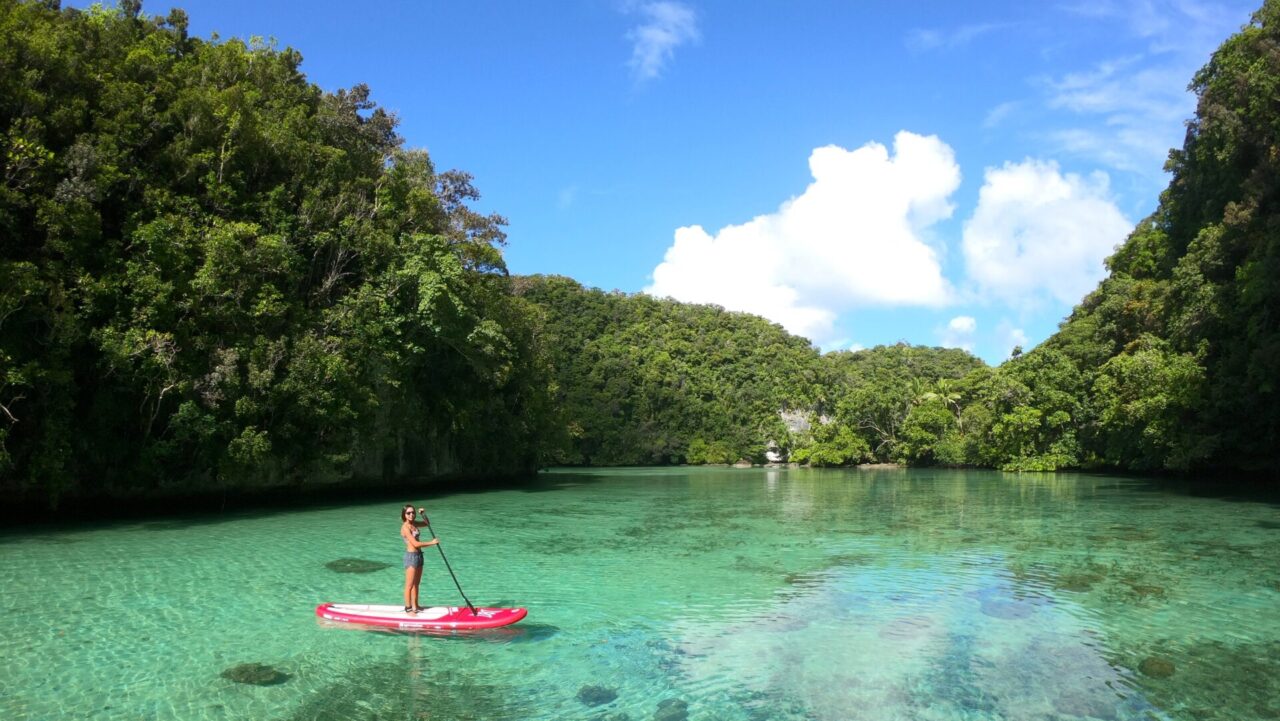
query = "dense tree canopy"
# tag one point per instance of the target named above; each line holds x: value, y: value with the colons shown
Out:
x: 642, y: 380
x: 213, y: 272
x: 1172, y: 363
x: 1177, y: 353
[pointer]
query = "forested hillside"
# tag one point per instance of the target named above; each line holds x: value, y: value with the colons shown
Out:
x: 1174, y: 361
x: 642, y: 380
x: 213, y: 273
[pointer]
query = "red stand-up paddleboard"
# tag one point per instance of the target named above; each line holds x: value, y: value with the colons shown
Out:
x: 436, y: 618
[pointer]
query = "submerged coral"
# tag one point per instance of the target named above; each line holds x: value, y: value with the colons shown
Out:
x: 672, y: 709
x: 1077, y: 581
x: 355, y: 565
x: 255, y: 674
x: 596, y: 695
x: 1207, y: 672
x: 1156, y: 667
x: 410, y: 690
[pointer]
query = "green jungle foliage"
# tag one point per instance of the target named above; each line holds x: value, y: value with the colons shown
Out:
x: 213, y: 273
x: 1172, y: 363
x: 642, y: 380
x: 648, y: 381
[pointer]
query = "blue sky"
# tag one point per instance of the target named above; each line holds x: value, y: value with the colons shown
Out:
x: 864, y: 173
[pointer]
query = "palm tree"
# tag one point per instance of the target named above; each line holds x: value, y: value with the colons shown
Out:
x: 944, y: 390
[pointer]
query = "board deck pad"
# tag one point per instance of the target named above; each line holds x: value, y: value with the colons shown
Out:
x: 459, y: 618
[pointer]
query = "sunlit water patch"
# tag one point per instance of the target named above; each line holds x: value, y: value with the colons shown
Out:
x: 671, y: 595
x: 957, y: 638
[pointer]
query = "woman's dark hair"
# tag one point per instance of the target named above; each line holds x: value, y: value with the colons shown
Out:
x: 407, y: 507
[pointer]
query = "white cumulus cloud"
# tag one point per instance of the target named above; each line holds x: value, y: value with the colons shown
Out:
x: 667, y: 25
x: 1038, y: 232
x: 959, y: 332
x: 852, y: 238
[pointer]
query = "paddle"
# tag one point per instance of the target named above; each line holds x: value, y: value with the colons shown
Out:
x: 446, y: 562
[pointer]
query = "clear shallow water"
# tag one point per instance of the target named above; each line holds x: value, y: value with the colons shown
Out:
x: 745, y: 594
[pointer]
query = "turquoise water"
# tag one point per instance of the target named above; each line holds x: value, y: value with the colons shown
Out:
x: 701, y: 594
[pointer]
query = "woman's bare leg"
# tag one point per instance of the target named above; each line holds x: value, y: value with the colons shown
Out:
x: 417, y: 579
x: 411, y: 587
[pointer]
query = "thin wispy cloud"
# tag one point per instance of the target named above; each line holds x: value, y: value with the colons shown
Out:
x: 665, y: 25
x: 567, y: 197
x: 999, y: 113
x: 1161, y: 20
x: 1141, y: 106
x: 1126, y: 112
x: 1092, y: 8
x: 924, y: 39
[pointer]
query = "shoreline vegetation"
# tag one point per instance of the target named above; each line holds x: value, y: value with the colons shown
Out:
x: 219, y: 280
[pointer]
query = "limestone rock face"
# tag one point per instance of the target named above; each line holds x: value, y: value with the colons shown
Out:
x: 797, y: 421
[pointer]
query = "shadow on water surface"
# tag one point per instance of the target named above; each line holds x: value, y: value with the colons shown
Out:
x: 204, y: 508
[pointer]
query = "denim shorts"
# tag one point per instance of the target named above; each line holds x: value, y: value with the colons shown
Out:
x: 413, y: 559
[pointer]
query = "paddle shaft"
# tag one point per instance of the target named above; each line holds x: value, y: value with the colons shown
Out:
x: 446, y: 565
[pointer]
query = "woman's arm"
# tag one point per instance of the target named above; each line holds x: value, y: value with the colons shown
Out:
x: 413, y: 542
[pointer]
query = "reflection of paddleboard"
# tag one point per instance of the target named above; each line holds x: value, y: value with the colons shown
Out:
x: 449, y: 618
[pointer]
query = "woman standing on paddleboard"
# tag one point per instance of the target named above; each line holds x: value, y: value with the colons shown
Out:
x: 412, y: 555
